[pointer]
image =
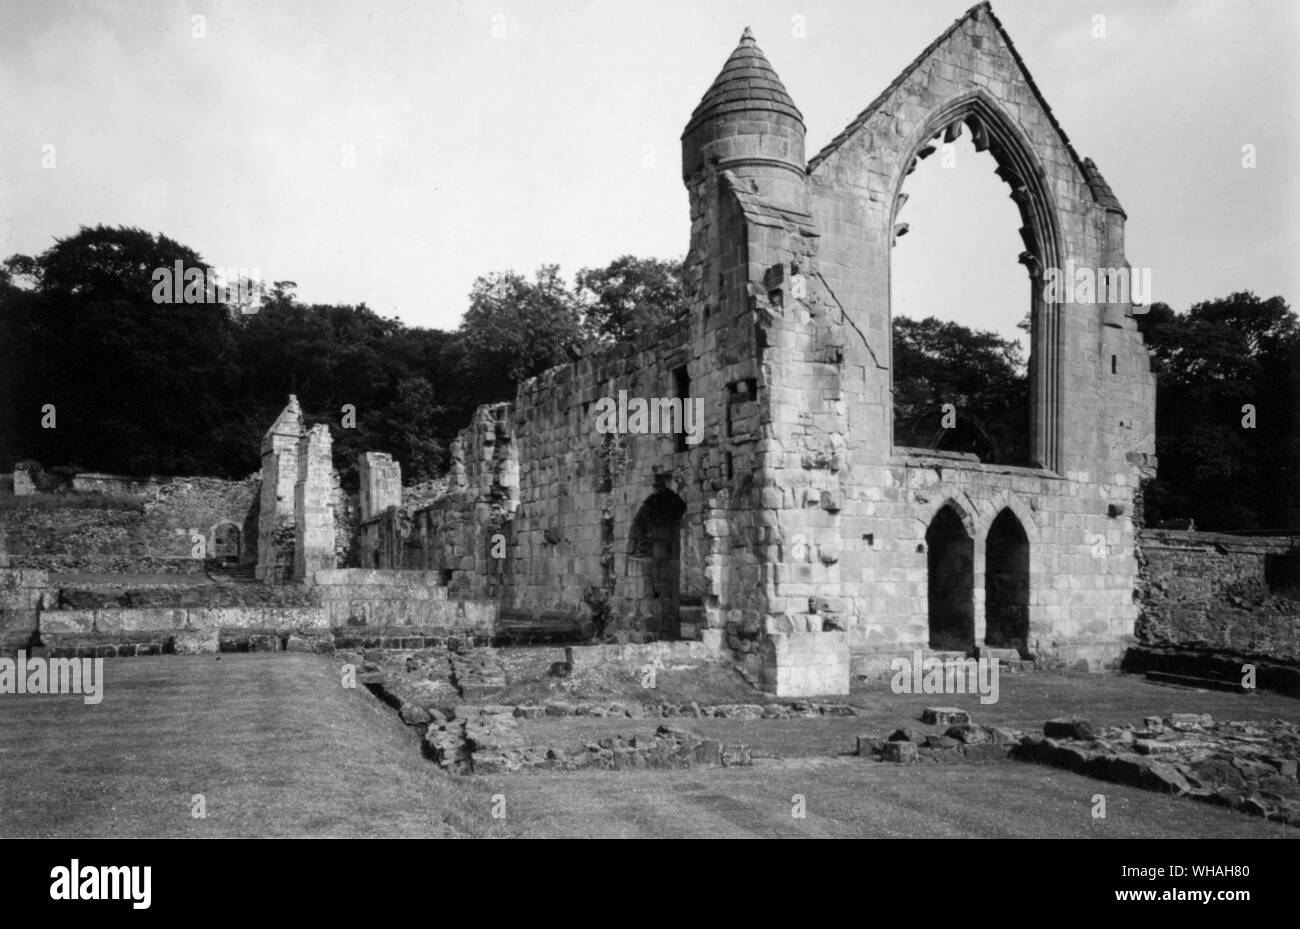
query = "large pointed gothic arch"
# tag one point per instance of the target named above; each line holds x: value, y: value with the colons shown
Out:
x: 1020, y: 168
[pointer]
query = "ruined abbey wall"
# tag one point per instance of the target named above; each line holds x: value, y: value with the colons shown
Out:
x: 1093, y: 393
x: 796, y: 535
x: 565, y: 497
x: 1235, y: 594
x: 131, y: 526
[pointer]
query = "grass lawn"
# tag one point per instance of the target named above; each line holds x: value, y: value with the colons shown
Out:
x: 273, y: 742
x: 851, y: 798
x: 278, y: 748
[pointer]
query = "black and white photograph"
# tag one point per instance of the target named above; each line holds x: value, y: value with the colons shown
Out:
x: 844, y: 419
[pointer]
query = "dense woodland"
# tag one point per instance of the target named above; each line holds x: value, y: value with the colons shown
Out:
x: 140, y: 387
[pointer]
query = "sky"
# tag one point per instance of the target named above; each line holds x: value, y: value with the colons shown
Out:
x: 390, y: 153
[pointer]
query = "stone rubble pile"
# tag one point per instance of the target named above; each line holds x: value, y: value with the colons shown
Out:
x: 477, y: 672
x: 962, y: 741
x: 1246, y: 766
x: 487, y: 740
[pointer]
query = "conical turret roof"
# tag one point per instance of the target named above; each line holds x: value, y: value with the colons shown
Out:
x: 747, y: 82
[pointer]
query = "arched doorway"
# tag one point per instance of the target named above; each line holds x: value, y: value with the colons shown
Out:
x: 1006, y: 583
x: 225, y: 543
x: 950, y: 555
x: 654, y: 565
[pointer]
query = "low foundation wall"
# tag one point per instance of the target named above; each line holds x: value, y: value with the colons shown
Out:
x: 379, y: 597
x: 115, y: 621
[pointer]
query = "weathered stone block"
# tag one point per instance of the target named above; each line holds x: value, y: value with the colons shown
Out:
x: 985, y: 751
x: 944, y: 716
x: 899, y: 752
x: 1069, y: 727
x: 197, y: 641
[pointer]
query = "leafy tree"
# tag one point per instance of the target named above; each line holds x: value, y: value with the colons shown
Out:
x: 981, y: 374
x: 338, y: 358
x: 1213, y: 364
x: 629, y: 297
x: 411, y: 426
x: 141, y: 387
x: 132, y: 381
x: 515, y: 329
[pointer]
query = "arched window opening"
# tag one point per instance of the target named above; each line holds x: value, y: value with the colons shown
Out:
x: 961, y: 303
x: 225, y: 543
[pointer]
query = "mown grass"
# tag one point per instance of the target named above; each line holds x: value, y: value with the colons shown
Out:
x: 853, y: 798
x: 273, y: 743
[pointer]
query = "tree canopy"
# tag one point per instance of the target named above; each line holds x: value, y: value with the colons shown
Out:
x: 141, y: 387
x: 1227, y: 413
x: 629, y: 298
x: 980, y: 373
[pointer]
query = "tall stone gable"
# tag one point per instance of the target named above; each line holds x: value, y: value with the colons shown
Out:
x: 850, y: 510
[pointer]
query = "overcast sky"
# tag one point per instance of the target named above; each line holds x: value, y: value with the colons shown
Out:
x: 504, y: 134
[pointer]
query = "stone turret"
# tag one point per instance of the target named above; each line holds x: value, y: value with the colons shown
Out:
x: 747, y: 124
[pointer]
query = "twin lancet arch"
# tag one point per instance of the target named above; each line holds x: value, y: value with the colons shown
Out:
x: 951, y: 570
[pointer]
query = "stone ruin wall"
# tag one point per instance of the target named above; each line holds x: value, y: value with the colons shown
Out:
x: 302, y: 506
x: 805, y: 529
x: 580, y: 491
x: 564, y: 497
x: 832, y: 389
x: 1234, y: 594
x: 148, y: 537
